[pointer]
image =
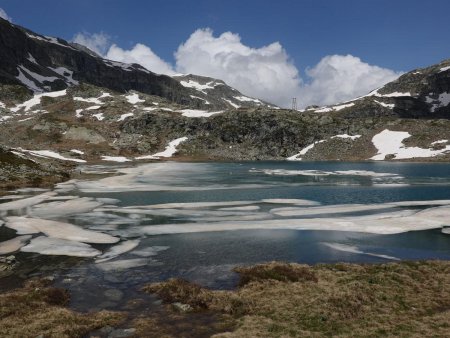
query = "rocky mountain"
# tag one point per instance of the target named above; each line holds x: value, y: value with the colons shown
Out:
x: 85, y: 109
x: 44, y: 64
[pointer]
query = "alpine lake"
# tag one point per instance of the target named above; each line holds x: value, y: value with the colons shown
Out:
x: 198, y: 221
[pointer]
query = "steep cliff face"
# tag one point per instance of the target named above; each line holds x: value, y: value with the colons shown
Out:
x: 49, y: 64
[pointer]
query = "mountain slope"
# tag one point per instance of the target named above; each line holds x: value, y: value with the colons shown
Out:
x: 99, y: 110
x: 44, y: 64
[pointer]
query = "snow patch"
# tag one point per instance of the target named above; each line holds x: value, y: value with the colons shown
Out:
x: 198, y: 113
x: 198, y: 86
x: 115, y: 159
x: 170, y: 150
x: 443, y: 69
x: 234, y: 105
x: 133, y: 98
x: 345, y: 136
x: 124, y: 116
x: 247, y: 99
x: 391, y: 143
x: 297, y: 157
x: 36, y: 99
x: 66, y: 73
x: 387, y: 105
x: 50, y: 154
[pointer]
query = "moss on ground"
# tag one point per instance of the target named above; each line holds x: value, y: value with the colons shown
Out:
x: 39, y: 310
x: 407, y: 299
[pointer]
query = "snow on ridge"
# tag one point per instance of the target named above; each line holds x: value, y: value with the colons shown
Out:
x: 48, y: 39
x: 343, y: 106
x: 32, y: 59
x: 36, y: 99
x: 115, y: 158
x: 50, y: 154
x: 95, y: 100
x: 198, y: 86
x: 234, y: 105
x: 390, y: 142
x: 443, y: 100
x: 443, y: 69
x: 133, y: 98
x: 344, y: 136
x: 170, y: 150
x: 297, y: 157
x: 439, y: 142
x: 62, y: 71
x: 199, y: 98
x: 198, y: 113
x: 98, y: 116
x: 247, y: 99
x: 124, y: 116
x: 387, y: 105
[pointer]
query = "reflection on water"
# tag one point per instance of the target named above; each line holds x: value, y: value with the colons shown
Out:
x: 171, y: 219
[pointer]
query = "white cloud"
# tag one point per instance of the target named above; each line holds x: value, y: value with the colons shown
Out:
x: 142, y: 55
x: 265, y: 72
x: 97, y: 42
x: 5, y: 16
x: 338, y: 78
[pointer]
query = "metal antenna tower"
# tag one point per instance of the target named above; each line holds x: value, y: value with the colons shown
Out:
x: 294, y: 103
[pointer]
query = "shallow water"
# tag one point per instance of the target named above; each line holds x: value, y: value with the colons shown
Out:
x: 168, y: 226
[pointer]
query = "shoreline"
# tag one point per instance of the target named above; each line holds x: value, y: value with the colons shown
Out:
x: 271, y: 300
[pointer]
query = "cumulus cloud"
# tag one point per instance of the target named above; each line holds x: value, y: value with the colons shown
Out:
x: 5, y: 16
x: 97, y: 42
x: 265, y: 72
x: 142, y: 55
x: 338, y: 78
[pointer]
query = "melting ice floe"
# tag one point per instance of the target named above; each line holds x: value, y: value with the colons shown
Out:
x: 286, y: 172
x: 13, y: 245
x: 117, y: 250
x: 26, y: 202
x: 356, y: 250
x: 390, y: 142
x: 56, y: 246
x: 54, y: 229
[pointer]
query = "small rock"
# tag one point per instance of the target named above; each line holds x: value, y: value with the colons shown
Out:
x: 182, y: 307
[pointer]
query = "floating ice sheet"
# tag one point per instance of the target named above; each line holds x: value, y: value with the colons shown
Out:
x: 61, y: 209
x: 124, y: 264
x: 61, y: 247
x: 13, y: 245
x: 54, y: 229
x: 26, y: 202
x: 117, y: 250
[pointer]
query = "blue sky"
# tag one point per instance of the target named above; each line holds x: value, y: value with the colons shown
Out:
x: 394, y: 35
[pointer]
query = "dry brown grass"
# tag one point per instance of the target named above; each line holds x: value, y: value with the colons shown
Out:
x: 38, y: 309
x: 407, y: 299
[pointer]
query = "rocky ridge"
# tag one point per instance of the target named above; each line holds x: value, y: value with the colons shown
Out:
x: 79, y: 119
